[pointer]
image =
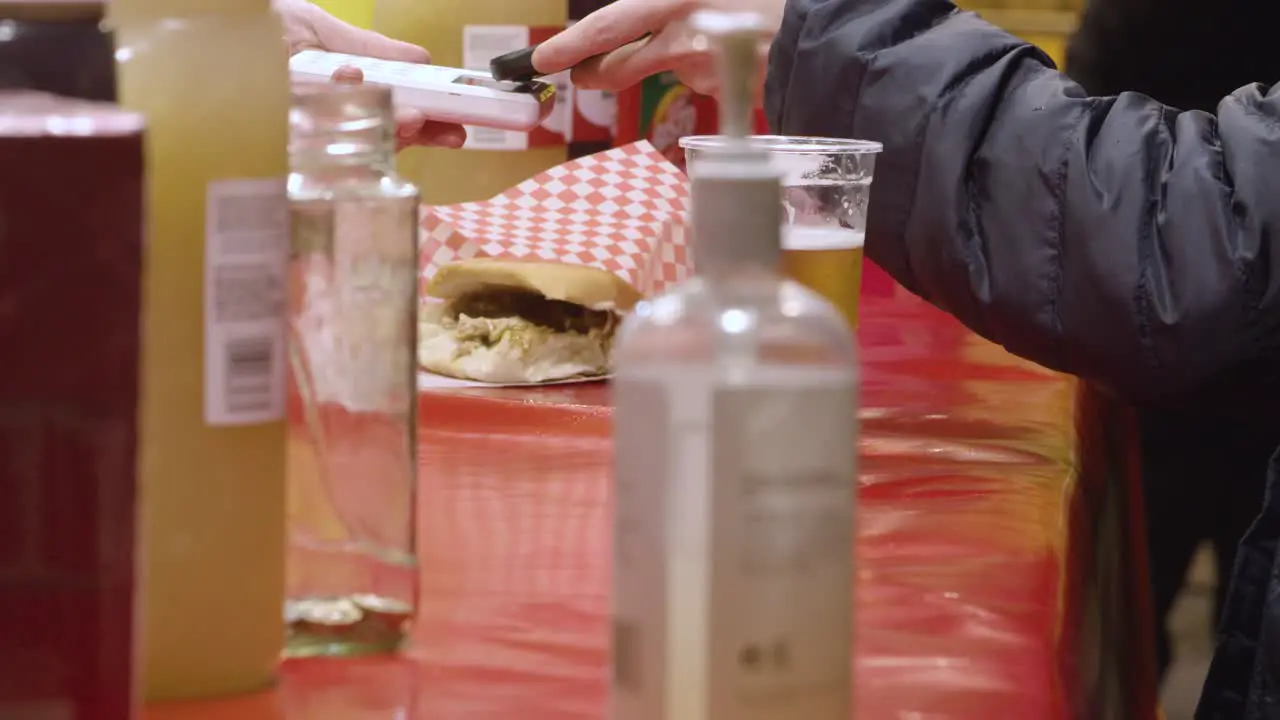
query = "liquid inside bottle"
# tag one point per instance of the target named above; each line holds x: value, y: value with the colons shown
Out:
x: 352, y: 574
x: 211, y: 78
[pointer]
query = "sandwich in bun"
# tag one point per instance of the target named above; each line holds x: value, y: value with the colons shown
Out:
x: 512, y: 321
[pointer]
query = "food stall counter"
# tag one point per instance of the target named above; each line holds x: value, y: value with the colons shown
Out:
x: 995, y: 576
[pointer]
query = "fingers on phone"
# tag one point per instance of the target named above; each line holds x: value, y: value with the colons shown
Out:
x: 633, y: 62
x: 348, y: 74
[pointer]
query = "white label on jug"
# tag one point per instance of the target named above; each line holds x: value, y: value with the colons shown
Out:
x: 246, y: 260
x: 734, y: 547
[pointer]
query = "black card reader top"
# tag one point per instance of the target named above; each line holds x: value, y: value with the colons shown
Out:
x: 515, y: 66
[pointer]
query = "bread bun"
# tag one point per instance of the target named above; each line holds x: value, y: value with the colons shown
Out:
x: 583, y: 285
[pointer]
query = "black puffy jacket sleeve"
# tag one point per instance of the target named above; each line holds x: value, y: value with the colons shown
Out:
x: 1113, y: 238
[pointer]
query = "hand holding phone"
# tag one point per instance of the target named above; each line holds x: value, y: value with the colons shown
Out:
x: 442, y: 94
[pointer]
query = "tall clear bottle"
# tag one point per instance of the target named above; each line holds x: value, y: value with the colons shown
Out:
x: 735, y: 436
x: 352, y: 573
x: 211, y: 78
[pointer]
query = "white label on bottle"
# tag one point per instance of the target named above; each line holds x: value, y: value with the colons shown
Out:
x: 246, y: 260
x: 734, y: 548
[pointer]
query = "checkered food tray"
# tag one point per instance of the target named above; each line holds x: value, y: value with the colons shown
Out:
x: 621, y: 210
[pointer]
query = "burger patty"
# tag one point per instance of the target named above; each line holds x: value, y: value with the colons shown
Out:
x: 555, y: 315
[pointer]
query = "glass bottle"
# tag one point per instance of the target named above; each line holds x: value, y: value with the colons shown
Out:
x: 735, y: 460
x: 71, y: 207
x: 211, y: 78
x: 352, y: 572
x: 57, y: 46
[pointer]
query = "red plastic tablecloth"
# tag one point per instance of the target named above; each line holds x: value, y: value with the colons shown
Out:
x: 968, y: 587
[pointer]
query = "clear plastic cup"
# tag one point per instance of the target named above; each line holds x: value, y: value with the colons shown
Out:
x: 826, y: 184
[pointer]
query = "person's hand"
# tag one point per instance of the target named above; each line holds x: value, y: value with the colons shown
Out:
x: 604, y: 51
x: 307, y: 27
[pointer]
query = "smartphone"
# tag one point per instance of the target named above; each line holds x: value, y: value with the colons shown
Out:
x: 441, y: 93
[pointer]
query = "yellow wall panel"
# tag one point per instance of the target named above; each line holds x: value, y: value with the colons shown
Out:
x: 1054, y: 45
x: 1050, y: 29
x: 356, y: 12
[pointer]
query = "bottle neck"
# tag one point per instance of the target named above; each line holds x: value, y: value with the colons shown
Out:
x: 343, y: 133
x: 342, y: 160
x: 738, y: 83
x: 736, y: 215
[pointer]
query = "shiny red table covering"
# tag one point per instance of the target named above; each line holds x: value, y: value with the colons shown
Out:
x: 980, y: 595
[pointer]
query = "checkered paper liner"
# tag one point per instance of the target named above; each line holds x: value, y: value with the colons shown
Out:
x: 621, y: 210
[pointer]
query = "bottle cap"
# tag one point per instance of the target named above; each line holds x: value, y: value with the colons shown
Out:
x: 514, y: 66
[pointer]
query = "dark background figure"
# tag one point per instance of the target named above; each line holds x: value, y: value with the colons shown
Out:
x: 1203, y: 469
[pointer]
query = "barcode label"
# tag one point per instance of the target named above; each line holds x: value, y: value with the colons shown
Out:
x: 249, y: 368
x: 627, y: 660
x: 246, y: 261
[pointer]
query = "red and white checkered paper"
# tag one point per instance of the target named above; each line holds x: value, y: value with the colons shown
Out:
x: 621, y: 210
